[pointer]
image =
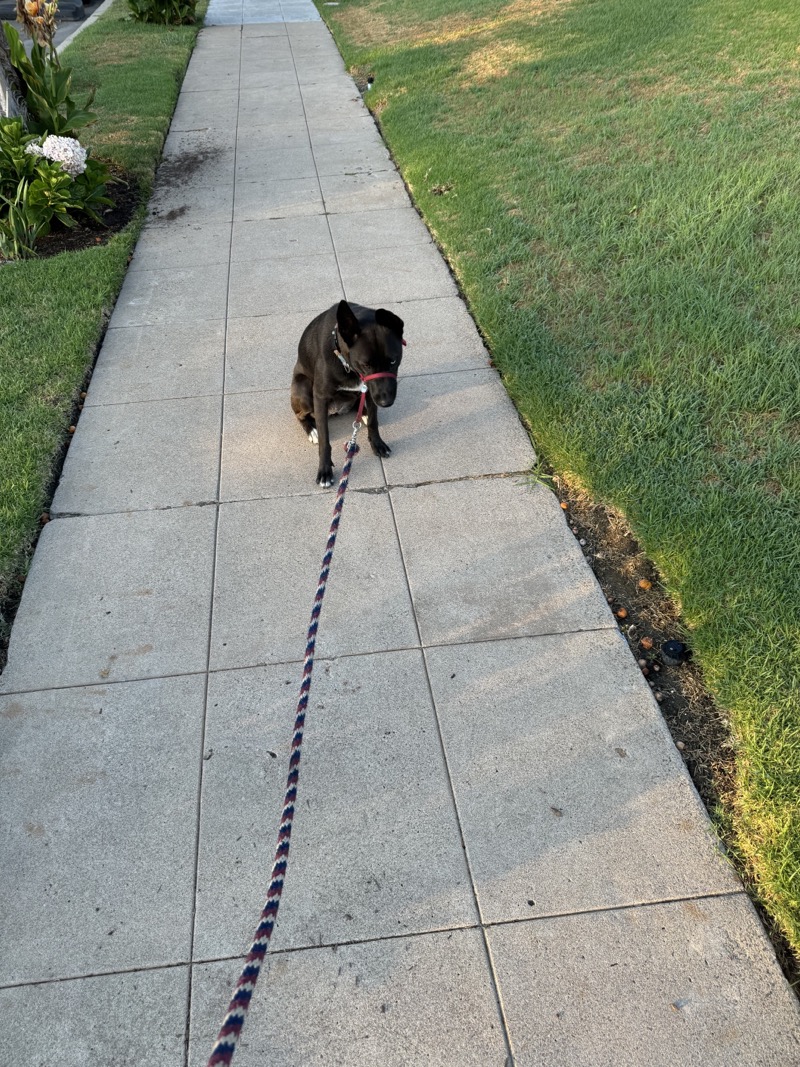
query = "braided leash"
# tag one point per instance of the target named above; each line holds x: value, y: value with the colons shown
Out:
x: 233, y: 1023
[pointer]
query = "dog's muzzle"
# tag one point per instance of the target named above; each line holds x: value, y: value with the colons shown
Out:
x: 383, y: 396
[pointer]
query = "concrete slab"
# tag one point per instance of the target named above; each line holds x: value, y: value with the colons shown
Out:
x: 674, y: 985
x: 260, y: 612
x: 267, y: 140
x: 270, y: 286
x: 262, y: 350
x: 113, y: 598
x: 330, y: 110
x: 135, y: 457
x: 262, y: 109
x: 111, y: 751
x: 280, y: 238
x: 198, y: 157
x: 212, y: 109
x: 170, y: 246
x: 116, y: 1019
x: 406, y: 272
x: 514, y: 570
x: 222, y: 76
x: 305, y: 27
x: 263, y: 165
x: 312, y: 76
x: 266, y: 451
x: 265, y: 49
x: 150, y: 297
x: 372, y: 191
x: 351, y: 156
x: 422, y: 1000
x: 376, y: 850
x: 344, y: 123
x: 283, y: 93
x: 445, y: 426
x: 277, y: 199
x: 264, y: 29
x: 392, y: 228
x: 191, y: 202
x: 256, y: 75
x: 571, y: 794
x: 155, y: 362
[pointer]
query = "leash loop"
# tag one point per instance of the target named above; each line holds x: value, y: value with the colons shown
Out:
x: 233, y: 1023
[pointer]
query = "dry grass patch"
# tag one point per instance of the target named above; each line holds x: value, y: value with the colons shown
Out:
x: 371, y: 27
x: 652, y: 84
x: 496, y: 61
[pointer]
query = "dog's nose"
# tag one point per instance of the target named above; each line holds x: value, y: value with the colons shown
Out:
x: 383, y: 393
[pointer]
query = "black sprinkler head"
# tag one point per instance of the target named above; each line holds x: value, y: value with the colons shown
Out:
x: 674, y: 652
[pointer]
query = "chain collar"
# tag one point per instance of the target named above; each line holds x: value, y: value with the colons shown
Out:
x: 338, y: 354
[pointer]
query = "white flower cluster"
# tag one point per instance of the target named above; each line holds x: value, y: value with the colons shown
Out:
x: 64, y: 150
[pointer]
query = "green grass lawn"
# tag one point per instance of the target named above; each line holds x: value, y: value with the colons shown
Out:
x: 616, y: 185
x: 52, y: 311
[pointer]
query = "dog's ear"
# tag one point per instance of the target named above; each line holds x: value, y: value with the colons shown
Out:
x: 390, y: 321
x: 349, y: 328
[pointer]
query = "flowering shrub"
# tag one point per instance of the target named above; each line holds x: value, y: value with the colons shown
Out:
x: 44, y: 180
x: 64, y: 150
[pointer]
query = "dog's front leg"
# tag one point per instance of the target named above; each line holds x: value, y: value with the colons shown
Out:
x: 325, y: 472
x: 379, y: 446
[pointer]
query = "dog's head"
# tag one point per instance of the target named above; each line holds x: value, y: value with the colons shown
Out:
x: 373, y: 348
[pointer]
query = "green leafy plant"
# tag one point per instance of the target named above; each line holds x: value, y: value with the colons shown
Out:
x: 163, y: 12
x: 51, y: 109
x: 30, y: 212
x: 15, y: 162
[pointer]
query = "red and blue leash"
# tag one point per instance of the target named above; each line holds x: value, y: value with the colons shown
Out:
x: 233, y: 1023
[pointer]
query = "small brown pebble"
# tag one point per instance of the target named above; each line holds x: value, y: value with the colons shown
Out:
x: 644, y: 584
x: 645, y: 671
x: 72, y: 429
x: 647, y: 643
x: 642, y: 662
x: 622, y: 614
x: 44, y: 517
x: 564, y: 505
x: 659, y: 696
x: 680, y: 745
x: 83, y: 396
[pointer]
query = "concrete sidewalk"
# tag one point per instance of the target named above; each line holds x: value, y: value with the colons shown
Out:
x: 498, y: 856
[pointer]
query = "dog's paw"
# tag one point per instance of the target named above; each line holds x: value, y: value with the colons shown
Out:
x: 314, y: 437
x: 380, y: 448
x: 325, y: 477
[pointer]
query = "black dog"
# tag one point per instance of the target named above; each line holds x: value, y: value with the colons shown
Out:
x: 339, y: 349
